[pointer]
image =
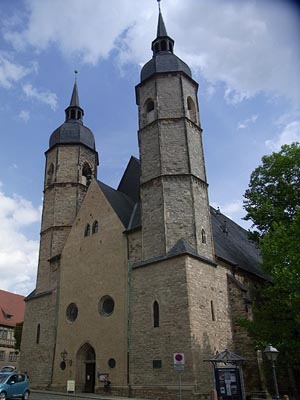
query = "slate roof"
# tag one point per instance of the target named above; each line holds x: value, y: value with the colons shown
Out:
x: 231, y: 240
x: 12, y: 308
x: 71, y: 132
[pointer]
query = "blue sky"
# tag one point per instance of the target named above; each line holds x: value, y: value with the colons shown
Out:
x: 244, y: 54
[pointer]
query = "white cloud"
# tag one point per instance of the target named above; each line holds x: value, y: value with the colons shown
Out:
x: 18, y: 254
x: 44, y: 97
x: 251, y: 47
x: 24, y: 115
x: 290, y: 134
x: 248, y: 121
x: 11, y: 72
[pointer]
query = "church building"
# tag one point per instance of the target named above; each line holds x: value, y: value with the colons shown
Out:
x: 128, y: 277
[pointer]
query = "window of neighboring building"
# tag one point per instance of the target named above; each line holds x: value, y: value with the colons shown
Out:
x: 156, y: 363
x: 2, y: 355
x: 106, y: 306
x: 38, y: 333
x: 72, y: 312
x: 155, y: 314
x: 3, y: 334
x: 95, y: 227
x: 12, y: 357
x: 87, y: 230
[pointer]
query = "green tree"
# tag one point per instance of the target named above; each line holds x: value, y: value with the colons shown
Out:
x: 272, y: 202
x: 274, y: 189
x: 18, y: 335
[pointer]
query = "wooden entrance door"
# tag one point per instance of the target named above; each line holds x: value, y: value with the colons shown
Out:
x: 89, y: 386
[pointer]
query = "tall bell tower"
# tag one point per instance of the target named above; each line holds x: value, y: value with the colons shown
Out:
x: 173, y: 179
x: 71, y: 164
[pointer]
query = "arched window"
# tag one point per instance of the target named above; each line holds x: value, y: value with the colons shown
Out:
x: 38, y: 333
x: 163, y: 45
x: 72, y: 114
x: 87, y: 230
x: 78, y: 114
x: 156, y: 47
x: 95, y: 227
x: 50, y: 174
x: 155, y: 314
x: 149, y: 111
x: 86, y: 174
x: 203, y: 236
x: 191, y: 110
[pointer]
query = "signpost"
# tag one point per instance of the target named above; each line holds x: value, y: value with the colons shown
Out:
x: 178, y: 359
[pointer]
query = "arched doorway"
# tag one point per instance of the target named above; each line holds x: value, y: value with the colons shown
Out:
x: 86, y: 368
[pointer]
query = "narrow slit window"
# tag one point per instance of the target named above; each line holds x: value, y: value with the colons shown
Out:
x: 203, y: 236
x: 155, y: 314
x: 38, y: 333
x: 212, y: 311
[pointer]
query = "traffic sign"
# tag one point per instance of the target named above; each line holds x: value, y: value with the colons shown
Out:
x: 178, y: 358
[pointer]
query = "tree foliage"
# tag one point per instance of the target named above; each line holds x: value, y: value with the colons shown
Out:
x: 273, y: 205
x: 18, y: 335
x: 273, y: 194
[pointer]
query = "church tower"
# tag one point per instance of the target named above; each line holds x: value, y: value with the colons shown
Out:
x: 173, y: 180
x: 71, y: 164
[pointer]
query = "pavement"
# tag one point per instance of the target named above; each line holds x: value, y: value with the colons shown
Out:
x: 83, y: 395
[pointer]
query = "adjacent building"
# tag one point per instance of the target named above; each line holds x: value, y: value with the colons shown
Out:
x: 129, y: 276
x: 12, y: 309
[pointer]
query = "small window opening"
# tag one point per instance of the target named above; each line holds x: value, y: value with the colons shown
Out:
x: 156, y: 47
x: 87, y: 230
x: 86, y: 174
x: 50, y: 174
x: 171, y: 47
x: 163, y: 45
x: 150, y: 106
x: 72, y: 114
x: 191, y: 110
x: 203, y: 236
x: 78, y: 114
x: 212, y: 311
x: 156, y: 363
x: 155, y: 314
x: 95, y: 227
x: 38, y: 333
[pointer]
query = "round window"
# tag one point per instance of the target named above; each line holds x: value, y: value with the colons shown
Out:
x: 106, y: 305
x: 72, y: 312
x: 111, y: 363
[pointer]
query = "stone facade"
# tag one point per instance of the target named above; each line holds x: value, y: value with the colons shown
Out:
x: 125, y: 282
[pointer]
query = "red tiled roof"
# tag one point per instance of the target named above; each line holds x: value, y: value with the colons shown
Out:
x: 12, y: 308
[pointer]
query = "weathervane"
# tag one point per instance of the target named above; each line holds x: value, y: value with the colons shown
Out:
x: 75, y: 72
x: 159, y: 4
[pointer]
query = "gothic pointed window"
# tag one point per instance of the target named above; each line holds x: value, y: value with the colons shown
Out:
x: 87, y: 230
x: 155, y: 314
x: 191, y: 110
x: 95, y: 227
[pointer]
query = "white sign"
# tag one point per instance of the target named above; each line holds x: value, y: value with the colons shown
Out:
x: 178, y: 358
x: 179, y: 367
x: 70, y: 386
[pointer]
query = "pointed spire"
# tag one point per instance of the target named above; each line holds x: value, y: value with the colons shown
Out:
x: 161, y: 28
x: 74, y: 111
x: 75, y: 98
x: 163, y: 42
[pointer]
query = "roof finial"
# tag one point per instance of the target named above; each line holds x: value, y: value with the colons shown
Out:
x: 75, y: 72
x: 159, y: 4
